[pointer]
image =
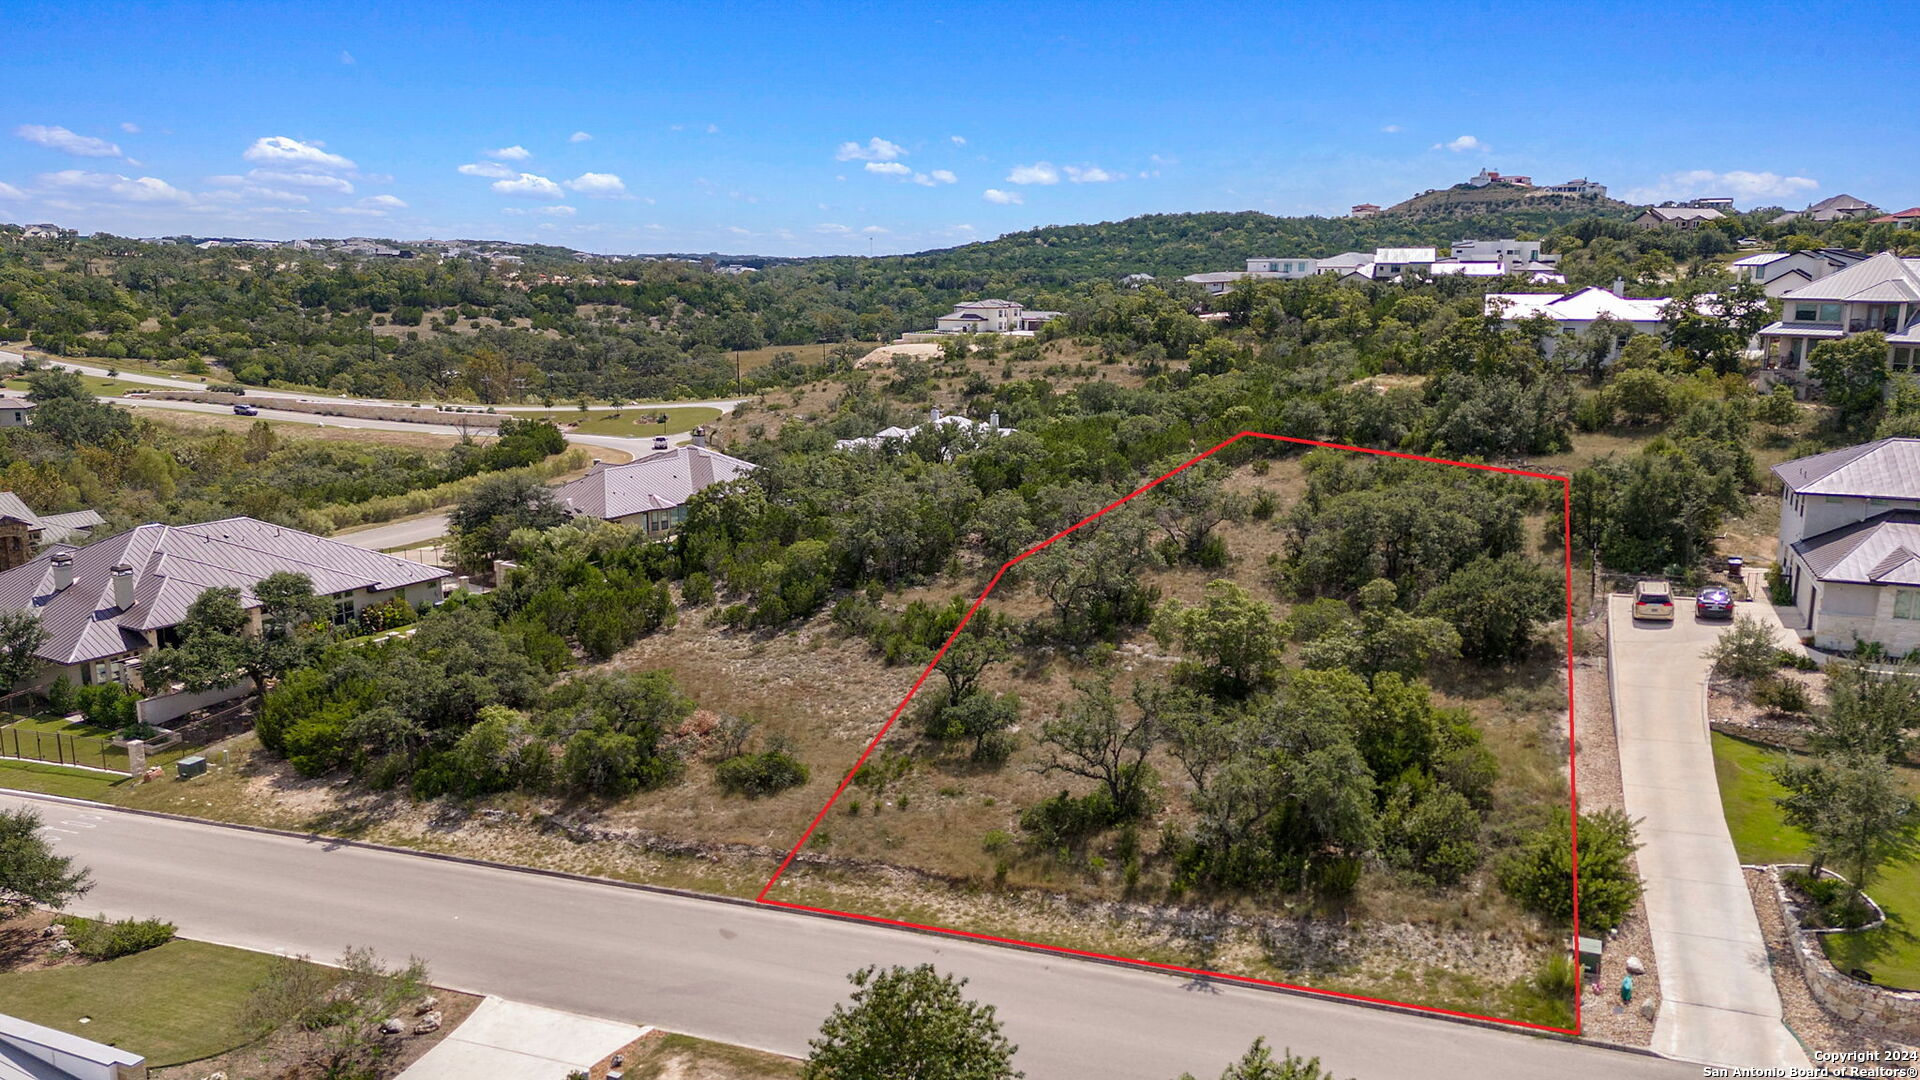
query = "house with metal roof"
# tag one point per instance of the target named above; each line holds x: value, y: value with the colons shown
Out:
x: 1574, y: 312
x: 992, y: 317
x: 72, y: 526
x: 953, y: 427
x: 1850, y: 544
x: 105, y: 605
x: 15, y: 411
x: 1905, y: 219
x: 652, y: 491
x: 1779, y: 272
x: 1881, y: 293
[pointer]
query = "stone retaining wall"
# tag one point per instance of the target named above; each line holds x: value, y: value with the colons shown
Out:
x: 1847, y: 998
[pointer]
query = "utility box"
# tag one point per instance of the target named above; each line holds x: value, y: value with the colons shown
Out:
x: 190, y: 767
x: 1590, y: 949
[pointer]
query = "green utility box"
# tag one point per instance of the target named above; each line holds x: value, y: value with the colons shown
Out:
x: 1590, y: 949
x: 190, y: 767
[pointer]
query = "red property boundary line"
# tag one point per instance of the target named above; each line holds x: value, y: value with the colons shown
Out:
x: 1572, y: 773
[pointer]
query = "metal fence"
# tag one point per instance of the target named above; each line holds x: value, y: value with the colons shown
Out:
x: 61, y: 748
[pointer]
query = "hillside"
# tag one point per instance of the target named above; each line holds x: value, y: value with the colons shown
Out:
x: 1170, y: 245
x: 1465, y: 201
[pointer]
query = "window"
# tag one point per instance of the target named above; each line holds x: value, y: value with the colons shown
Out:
x: 1903, y: 358
x: 1829, y: 313
x: 1906, y: 604
x: 343, y: 611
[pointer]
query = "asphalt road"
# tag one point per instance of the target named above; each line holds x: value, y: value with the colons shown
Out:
x: 1718, y: 1002
x: 392, y: 535
x: 754, y: 976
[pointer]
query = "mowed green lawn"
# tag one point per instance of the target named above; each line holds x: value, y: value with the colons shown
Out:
x: 1761, y: 835
x: 632, y: 423
x: 58, y: 780
x: 180, y: 1002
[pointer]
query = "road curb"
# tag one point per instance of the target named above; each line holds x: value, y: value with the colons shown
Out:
x: 690, y: 894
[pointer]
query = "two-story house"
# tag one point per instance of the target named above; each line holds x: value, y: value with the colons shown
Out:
x: 1850, y: 544
x: 1780, y: 272
x: 1881, y: 293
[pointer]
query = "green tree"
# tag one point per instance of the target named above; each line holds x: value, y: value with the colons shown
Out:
x: 1712, y: 322
x: 1495, y: 604
x: 217, y: 643
x: 29, y: 868
x: 1097, y: 739
x: 1540, y: 873
x: 20, y: 635
x: 1869, y: 711
x: 910, y: 1024
x: 1854, y: 807
x: 484, y: 521
x: 1746, y: 652
x: 1259, y: 1064
x: 1231, y: 638
x: 1853, y: 374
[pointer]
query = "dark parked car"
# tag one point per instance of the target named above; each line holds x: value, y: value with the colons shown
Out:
x: 245, y: 410
x: 1714, y: 602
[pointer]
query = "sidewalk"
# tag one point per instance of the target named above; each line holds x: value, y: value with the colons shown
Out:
x: 505, y: 1040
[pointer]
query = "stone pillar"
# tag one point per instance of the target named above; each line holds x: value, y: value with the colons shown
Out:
x: 136, y: 757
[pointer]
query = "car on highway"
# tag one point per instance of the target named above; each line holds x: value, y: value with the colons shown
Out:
x: 243, y: 409
x: 1714, y: 602
x: 1653, y: 600
x: 660, y: 442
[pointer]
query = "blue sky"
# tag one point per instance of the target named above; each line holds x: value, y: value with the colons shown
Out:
x: 801, y: 128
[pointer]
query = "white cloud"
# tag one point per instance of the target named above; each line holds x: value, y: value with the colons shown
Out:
x: 713, y: 129
x: 241, y: 188
x: 1163, y: 159
x: 888, y: 168
x: 1461, y: 144
x: 874, y: 230
x: 877, y: 149
x: 1004, y: 198
x: 67, y: 142
x: 537, y: 187
x: 145, y: 189
x: 280, y: 150
x: 558, y: 211
x: 515, y: 152
x: 1092, y: 174
x: 1393, y: 129
x: 597, y: 184
x: 297, y: 178
x: 487, y: 169
x: 831, y: 229
x: 1040, y: 172
x: 347, y: 58
x: 958, y: 140
x: 1738, y: 183
x: 8, y: 191
x: 579, y: 136
x: 383, y: 202
x: 738, y: 231
x: 129, y: 127
x: 943, y: 176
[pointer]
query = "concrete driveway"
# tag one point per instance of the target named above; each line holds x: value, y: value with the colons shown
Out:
x: 508, y: 1040
x: 1718, y: 1003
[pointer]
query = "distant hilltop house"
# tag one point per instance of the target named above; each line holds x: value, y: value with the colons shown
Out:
x: 1850, y: 544
x: 23, y: 532
x: 1474, y: 258
x: 105, y: 605
x: 1581, y: 188
x: 735, y: 269
x: 1677, y: 217
x: 1574, y: 312
x: 1488, y: 178
x: 1905, y: 219
x: 652, y: 491
x: 1364, y: 210
x: 1781, y: 271
x: 373, y: 249
x: 894, y: 436
x: 1835, y: 208
x: 1881, y: 293
x: 992, y: 317
x: 45, y: 232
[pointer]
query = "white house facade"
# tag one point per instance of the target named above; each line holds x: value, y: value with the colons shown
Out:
x: 1850, y: 544
x: 1780, y: 272
x: 1881, y: 293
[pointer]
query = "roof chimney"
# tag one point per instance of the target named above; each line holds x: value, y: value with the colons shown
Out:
x: 993, y: 419
x: 123, y: 586
x: 62, y: 570
x: 933, y: 414
x: 700, y: 436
